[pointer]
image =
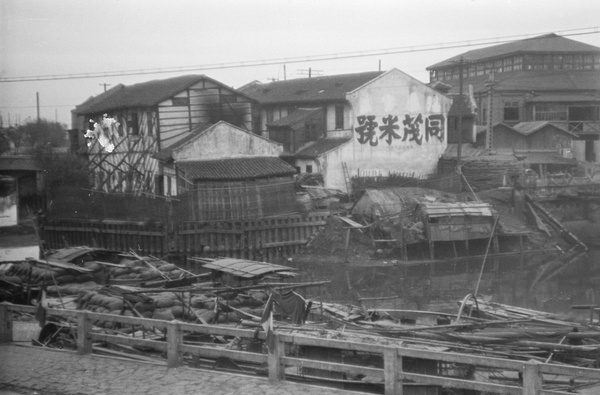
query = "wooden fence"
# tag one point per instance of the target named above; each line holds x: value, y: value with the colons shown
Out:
x: 265, y: 239
x: 393, y: 375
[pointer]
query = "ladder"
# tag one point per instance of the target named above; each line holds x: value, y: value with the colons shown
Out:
x: 347, y: 181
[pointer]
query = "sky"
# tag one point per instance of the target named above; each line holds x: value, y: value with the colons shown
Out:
x: 41, y: 38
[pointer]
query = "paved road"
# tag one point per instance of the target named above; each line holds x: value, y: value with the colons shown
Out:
x: 33, y: 370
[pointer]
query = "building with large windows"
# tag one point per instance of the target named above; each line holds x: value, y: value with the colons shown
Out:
x: 546, y: 78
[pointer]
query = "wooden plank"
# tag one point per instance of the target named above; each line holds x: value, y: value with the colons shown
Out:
x: 333, y: 366
x: 215, y: 352
x: 130, y: 341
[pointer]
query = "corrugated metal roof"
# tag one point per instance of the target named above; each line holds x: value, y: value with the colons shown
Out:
x: 479, y: 209
x: 315, y: 89
x: 320, y: 147
x: 247, y: 269
x: 545, y: 43
x: 295, y: 117
x: 236, y: 168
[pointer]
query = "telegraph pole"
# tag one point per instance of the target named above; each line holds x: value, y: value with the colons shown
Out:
x: 489, y: 135
x: 37, y: 99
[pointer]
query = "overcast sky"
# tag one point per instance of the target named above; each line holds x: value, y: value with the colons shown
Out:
x: 64, y: 37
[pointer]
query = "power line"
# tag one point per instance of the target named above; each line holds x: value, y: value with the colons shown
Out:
x: 300, y: 59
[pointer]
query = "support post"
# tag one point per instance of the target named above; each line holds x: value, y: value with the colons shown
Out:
x: 532, y: 380
x: 174, y: 339
x: 276, y: 351
x: 84, y: 329
x: 6, y: 324
x: 391, y: 366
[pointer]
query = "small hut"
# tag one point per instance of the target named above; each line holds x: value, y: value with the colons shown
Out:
x: 457, y: 221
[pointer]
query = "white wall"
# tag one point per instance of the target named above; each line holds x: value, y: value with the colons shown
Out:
x: 224, y: 140
x: 394, y: 94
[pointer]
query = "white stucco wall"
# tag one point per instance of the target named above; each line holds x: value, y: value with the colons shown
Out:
x: 224, y: 140
x: 394, y: 94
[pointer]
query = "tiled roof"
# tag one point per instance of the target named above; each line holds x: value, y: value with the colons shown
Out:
x: 144, y: 94
x: 296, y: 117
x: 236, y: 168
x: 308, y: 90
x: 166, y: 153
x: 544, y: 44
x: 536, y: 81
x: 320, y: 147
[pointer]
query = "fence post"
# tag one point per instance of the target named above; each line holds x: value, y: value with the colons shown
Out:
x: 174, y: 340
x: 276, y: 351
x: 391, y: 366
x: 84, y: 328
x: 6, y: 324
x: 532, y: 380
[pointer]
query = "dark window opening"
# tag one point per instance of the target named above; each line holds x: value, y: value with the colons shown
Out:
x: 511, y: 111
x: 310, y: 132
x: 132, y: 124
x: 309, y: 168
x: 339, y: 117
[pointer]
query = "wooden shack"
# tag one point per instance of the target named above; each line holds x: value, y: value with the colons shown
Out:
x: 457, y: 221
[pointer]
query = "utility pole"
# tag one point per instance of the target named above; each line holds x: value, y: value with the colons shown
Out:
x: 489, y: 133
x: 105, y: 85
x: 37, y: 99
x: 284, y: 73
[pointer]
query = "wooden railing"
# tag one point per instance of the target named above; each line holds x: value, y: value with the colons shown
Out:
x: 392, y: 374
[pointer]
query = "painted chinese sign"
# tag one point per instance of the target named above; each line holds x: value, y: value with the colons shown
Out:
x: 370, y: 131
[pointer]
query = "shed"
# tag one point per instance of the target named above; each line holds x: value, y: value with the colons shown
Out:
x: 457, y: 221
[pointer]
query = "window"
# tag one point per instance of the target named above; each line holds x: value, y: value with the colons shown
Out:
x: 310, y: 132
x: 181, y: 101
x: 339, y: 117
x: 550, y: 112
x: 309, y: 168
x: 480, y: 69
x: 507, y: 64
x: 298, y: 170
x: 511, y: 111
x: 517, y: 63
x: 269, y: 115
x: 133, y: 127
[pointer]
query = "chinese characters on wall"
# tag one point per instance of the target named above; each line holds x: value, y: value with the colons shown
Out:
x: 414, y: 129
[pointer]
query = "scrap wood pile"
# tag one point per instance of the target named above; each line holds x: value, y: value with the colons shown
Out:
x: 490, y: 329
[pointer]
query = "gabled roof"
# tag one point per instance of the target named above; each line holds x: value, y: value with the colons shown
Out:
x: 166, y: 154
x: 144, y: 94
x: 542, y: 44
x: 529, y: 128
x: 309, y: 90
x: 320, y: 147
x: 298, y: 116
x: 235, y: 168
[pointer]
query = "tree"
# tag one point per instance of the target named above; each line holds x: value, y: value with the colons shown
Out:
x: 44, y: 133
x: 61, y: 170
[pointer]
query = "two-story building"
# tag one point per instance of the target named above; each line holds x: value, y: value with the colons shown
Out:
x: 343, y: 125
x: 153, y: 116
x: 546, y: 78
